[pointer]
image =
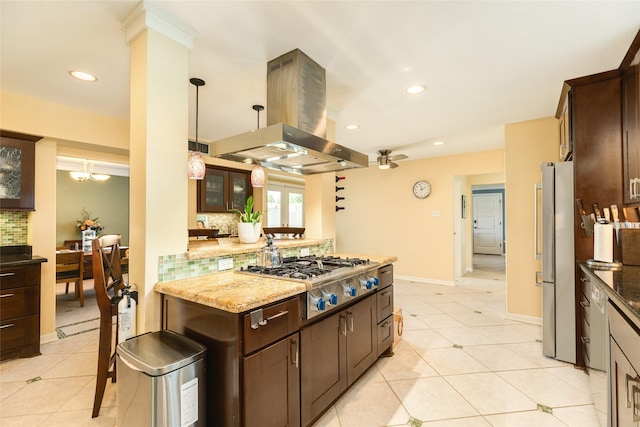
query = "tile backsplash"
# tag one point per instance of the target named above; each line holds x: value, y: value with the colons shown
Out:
x: 14, y: 228
x: 226, y: 223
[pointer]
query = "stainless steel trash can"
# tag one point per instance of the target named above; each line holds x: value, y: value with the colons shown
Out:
x: 161, y: 381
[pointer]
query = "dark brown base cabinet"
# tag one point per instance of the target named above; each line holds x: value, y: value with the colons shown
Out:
x: 19, y: 311
x: 336, y: 351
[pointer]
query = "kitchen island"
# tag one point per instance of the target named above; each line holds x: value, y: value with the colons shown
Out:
x: 270, y: 360
x: 622, y: 290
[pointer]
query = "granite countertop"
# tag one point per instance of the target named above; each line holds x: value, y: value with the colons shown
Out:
x: 621, y: 287
x: 237, y: 292
x: 11, y: 256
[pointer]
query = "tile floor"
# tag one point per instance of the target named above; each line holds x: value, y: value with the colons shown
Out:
x: 459, y: 363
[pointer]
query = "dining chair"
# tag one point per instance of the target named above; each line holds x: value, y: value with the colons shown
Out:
x: 108, y: 282
x: 70, y: 268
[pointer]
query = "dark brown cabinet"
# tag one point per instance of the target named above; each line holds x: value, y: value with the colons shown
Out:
x: 384, y: 310
x: 19, y: 311
x: 17, y: 151
x: 223, y: 189
x: 631, y: 134
x: 335, y: 352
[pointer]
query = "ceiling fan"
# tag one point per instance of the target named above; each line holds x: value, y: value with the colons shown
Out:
x: 386, y: 161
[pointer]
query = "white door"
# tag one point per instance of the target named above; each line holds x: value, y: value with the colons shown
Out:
x: 487, y: 223
x: 285, y: 206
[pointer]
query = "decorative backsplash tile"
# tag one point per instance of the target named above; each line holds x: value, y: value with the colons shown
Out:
x: 227, y: 223
x: 175, y: 267
x: 14, y: 228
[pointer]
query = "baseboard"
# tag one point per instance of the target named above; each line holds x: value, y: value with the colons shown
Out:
x: 424, y: 280
x: 48, y: 338
x: 525, y: 319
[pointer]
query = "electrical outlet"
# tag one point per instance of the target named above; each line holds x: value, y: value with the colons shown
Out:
x: 304, y: 252
x: 225, y: 264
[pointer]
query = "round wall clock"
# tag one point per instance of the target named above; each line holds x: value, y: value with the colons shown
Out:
x: 421, y: 189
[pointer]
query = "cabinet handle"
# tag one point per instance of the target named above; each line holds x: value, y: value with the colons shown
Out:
x: 585, y: 280
x: 275, y: 316
x: 6, y: 326
x: 350, y: 321
x: 630, y: 396
x: 585, y: 304
x: 343, y: 325
x: 384, y: 294
x: 385, y: 324
x: 295, y: 352
x: 7, y: 274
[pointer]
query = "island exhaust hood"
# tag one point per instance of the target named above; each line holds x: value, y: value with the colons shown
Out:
x: 294, y: 139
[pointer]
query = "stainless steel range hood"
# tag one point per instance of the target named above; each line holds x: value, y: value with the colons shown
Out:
x: 295, y: 137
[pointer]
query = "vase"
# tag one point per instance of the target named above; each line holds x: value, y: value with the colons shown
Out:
x: 87, y: 239
x: 248, y: 232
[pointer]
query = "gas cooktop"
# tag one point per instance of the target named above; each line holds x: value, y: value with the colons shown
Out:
x: 314, y: 270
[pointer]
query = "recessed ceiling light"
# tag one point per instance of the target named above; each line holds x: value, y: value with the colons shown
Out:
x: 438, y: 143
x: 352, y: 127
x: 81, y: 75
x: 416, y: 89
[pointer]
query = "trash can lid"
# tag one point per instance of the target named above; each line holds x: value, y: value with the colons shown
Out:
x: 160, y: 352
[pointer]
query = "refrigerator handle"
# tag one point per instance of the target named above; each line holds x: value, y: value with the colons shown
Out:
x: 537, y: 222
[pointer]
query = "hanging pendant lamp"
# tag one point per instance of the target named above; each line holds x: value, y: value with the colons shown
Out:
x: 257, y: 174
x: 195, y: 165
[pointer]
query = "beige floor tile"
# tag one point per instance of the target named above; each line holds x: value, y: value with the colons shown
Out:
x: 583, y: 416
x: 70, y: 344
x: 525, y: 419
x: 41, y: 397
x: 546, y: 389
x: 428, y: 399
x: 404, y: 364
x: 84, y: 398
x: 75, y: 365
x: 569, y: 373
x: 7, y: 389
x: 24, y: 420
x: 464, y: 336
x: 82, y: 418
x: 328, y: 419
x: 412, y: 322
x: 425, y: 339
x: 451, y: 307
x: 439, y: 321
x: 498, y: 358
x: 506, y: 334
x: 452, y: 361
x: 459, y: 422
x: 490, y: 394
x: 24, y: 369
x: 533, y: 352
x: 359, y: 408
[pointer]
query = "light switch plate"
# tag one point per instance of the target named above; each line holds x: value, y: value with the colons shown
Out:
x: 435, y: 214
x: 225, y: 264
x: 304, y: 252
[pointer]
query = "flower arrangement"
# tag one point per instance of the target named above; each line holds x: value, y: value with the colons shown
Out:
x: 88, y: 223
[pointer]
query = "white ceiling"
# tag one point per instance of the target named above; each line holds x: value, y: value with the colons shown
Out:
x: 486, y: 64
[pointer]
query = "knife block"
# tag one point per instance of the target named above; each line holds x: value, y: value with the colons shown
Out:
x: 630, y: 240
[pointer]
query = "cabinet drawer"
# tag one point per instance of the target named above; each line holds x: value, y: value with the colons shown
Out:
x: 268, y: 324
x: 385, y: 334
x: 17, y: 333
x: 384, y: 303
x: 385, y: 276
x: 585, y: 308
x: 625, y: 335
x: 19, y: 302
x: 18, y: 276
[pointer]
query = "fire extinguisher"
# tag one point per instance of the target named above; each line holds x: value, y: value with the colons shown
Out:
x: 126, y: 316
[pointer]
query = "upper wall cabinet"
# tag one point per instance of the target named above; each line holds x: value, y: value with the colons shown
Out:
x: 631, y: 134
x: 17, y: 171
x: 223, y: 189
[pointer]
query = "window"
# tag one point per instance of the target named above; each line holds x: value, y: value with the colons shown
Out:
x: 285, y: 204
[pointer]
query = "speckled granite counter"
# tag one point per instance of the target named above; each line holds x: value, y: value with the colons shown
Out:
x: 199, y: 249
x: 237, y: 292
x: 11, y: 256
x: 621, y: 287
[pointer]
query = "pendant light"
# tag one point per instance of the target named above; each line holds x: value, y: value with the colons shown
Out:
x: 257, y: 174
x: 195, y: 165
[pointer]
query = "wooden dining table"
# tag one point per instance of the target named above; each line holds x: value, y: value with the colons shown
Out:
x: 88, y: 260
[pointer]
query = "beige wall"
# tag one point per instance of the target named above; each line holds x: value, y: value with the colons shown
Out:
x: 383, y: 217
x: 527, y: 145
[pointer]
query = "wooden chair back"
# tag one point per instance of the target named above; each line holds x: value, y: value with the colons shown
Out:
x: 70, y: 268
x: 107, y: 279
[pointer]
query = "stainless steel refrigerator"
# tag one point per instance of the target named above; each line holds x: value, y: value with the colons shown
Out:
x: 557, y: 279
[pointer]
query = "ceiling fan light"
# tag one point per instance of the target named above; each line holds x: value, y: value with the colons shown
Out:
x: 384, y: 166
x: 100, y: 177
x: 257, y: 177
x: 80, y: 176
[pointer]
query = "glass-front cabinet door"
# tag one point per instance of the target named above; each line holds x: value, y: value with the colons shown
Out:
x: 222, y: 190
